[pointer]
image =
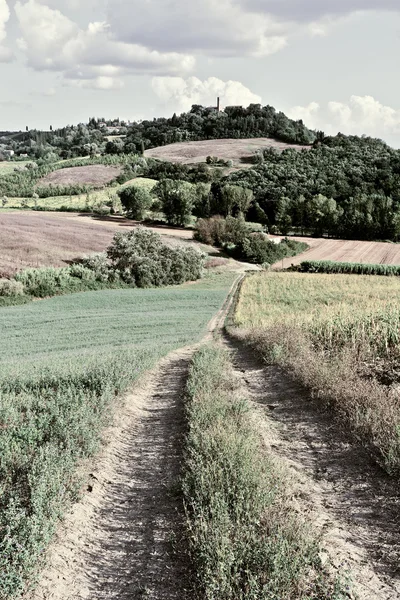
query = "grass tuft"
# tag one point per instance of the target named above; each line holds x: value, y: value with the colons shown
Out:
x: 245, y: 540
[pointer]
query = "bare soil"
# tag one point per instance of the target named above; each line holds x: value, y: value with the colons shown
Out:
x: 241, y: 152
x: 345, y: 251
x: 352, y: 503
x: 96, y: 175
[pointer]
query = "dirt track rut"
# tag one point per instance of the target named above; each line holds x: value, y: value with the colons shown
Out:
x: 119, y: 540
x: 353, y: 504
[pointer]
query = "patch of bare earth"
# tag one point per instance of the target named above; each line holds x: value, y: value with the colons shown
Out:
x: 122, y: 539
x: 353, y: 504
x: 344, y: 251
x: 241, y: 152
x: 96, y: 175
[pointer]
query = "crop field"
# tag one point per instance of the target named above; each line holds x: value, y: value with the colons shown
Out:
x: 62, y: 362
x: 96, y: 175
x: 36, y: 239
x: 241, y: 152
x: 40, y: 239
x: 340, y: 336
x: 351, y: 251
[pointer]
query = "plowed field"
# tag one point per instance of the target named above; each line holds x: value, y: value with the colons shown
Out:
x: 97, y: 175
x: 346, y: 251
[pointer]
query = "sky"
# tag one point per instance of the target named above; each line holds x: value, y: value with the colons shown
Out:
x: 332, y: 63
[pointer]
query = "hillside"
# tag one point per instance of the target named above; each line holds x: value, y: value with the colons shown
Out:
x: 241, y: 152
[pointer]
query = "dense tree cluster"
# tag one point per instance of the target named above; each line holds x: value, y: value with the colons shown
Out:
x: 100, y: 136
x: 206, y: 123
x: 347, y: 187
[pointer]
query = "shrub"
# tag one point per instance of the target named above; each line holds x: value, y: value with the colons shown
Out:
x: 210, y: 231
x: 48, y: 281
x: 258, y: 249
x: 100, y: 266
x: 136, y: 201
x: 45, y: 282
x: 10, y: 287
x: 218, y: 231
x: 143, y: 260
x: 102, y: 210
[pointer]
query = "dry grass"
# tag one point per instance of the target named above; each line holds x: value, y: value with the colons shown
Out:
x: 339, y: 335
x: 96, y: 175
x: 241, y: 152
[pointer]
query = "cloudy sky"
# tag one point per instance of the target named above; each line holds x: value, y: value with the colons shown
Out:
x: 333, y: 63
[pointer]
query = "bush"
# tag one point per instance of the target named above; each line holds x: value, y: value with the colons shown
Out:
x: 10, y: 287
x: 258, y: 249
x: 218, y: 231
x: 210, y: 231
x: 143, y: 260
x: 102, y: 210
x: 99, y: 265
x: 136, y: 201
x: 45, y: 282
x: 48, y: 281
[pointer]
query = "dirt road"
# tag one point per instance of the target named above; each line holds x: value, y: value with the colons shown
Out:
x: 123, y: 539
x: 118, y: 542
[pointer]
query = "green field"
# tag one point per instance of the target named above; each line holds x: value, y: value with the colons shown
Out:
x: 79, y: 202
x: 9, y: 166
x: 62, y: 362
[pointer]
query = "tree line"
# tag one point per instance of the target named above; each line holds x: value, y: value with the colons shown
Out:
x: 202, y: 123
x: 344, y: 186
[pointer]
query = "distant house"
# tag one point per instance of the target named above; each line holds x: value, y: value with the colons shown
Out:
x: 23, y: 156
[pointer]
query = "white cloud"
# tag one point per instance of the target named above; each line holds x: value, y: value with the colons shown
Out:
x: 313, y: 10
x: 229, y: 27
x: 5, y: 53
x: 179, y: 94
x: 360, y: 115
x: 217, y: 28
x: 99, y: 83
x: 52, y: 41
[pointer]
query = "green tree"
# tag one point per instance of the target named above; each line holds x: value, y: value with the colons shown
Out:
x: 177, y: 200
x: 136, y: 201
x: 202, y: 207
x: 235, y: 199
x: 282, y: 216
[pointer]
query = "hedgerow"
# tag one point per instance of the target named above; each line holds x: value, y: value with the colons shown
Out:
x: 328, y: 266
